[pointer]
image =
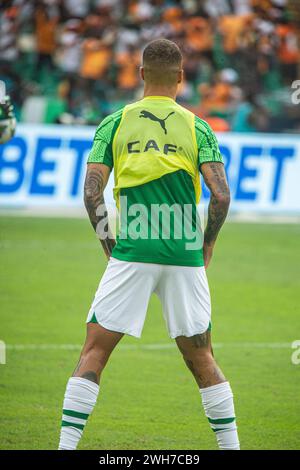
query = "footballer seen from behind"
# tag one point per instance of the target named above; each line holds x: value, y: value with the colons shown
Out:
x: 156, y: 149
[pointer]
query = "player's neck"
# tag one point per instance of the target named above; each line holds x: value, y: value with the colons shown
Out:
x: 151, y: 90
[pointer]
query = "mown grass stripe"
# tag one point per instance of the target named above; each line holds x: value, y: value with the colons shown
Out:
x: 75, y: 414
x: 221, y: 420
x: 74, y: 425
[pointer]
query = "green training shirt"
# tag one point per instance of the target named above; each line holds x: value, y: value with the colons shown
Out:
x: 156, y: 148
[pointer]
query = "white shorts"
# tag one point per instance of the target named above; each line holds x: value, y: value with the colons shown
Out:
x: 123, y: 295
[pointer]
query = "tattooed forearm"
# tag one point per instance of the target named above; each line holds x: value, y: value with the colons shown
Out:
x: 95, y: 206
x: 217, y: 212
x: 215, y: 179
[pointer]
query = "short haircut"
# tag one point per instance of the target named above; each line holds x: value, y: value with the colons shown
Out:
x: 162, y: 60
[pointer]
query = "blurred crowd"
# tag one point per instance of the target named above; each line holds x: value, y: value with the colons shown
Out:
x: 75, y: 61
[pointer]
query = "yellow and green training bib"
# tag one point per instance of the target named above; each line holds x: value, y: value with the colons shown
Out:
x: 156, y: 148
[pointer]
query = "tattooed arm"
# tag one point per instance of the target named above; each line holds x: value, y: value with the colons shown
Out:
x: 96, y: 179
x: 215, y: 179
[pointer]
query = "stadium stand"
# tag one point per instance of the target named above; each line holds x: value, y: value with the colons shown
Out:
x: 75, y: 61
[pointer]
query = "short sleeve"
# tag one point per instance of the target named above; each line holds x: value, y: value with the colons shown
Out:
x: 208, y: 148
x: 101, y: 151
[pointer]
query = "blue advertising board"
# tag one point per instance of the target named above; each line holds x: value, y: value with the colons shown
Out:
x: 45, y: 166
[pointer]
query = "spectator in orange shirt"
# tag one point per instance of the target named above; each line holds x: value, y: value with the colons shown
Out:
x: 289, y: 51
x: 96, y: 59
x: 128, y: 63
x: 221, y: 97
x: 234, y: 30
x: 46, y: 23
x: 199, y: 35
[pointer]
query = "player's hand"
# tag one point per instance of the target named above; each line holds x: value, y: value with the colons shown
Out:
x: 207, y: 253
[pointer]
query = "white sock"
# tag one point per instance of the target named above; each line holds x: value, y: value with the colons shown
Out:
x: 218, y: 406
x: 80, y: 399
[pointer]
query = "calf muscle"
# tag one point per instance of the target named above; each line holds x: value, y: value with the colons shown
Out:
x: 96, y: 351
x: 198, y: 356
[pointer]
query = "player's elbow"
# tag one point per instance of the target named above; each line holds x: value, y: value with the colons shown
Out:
x: 223, y: 198
x: 91, y: 194
x: 89, y: 201
x: 88, y: 195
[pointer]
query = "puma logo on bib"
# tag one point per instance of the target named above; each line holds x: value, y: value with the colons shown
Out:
x: 162, y: 122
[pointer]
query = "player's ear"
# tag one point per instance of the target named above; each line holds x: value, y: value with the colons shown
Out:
x: 142, y: 74
x: 180, y: 76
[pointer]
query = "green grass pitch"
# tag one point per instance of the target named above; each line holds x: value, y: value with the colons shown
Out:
x: 50, y: 269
